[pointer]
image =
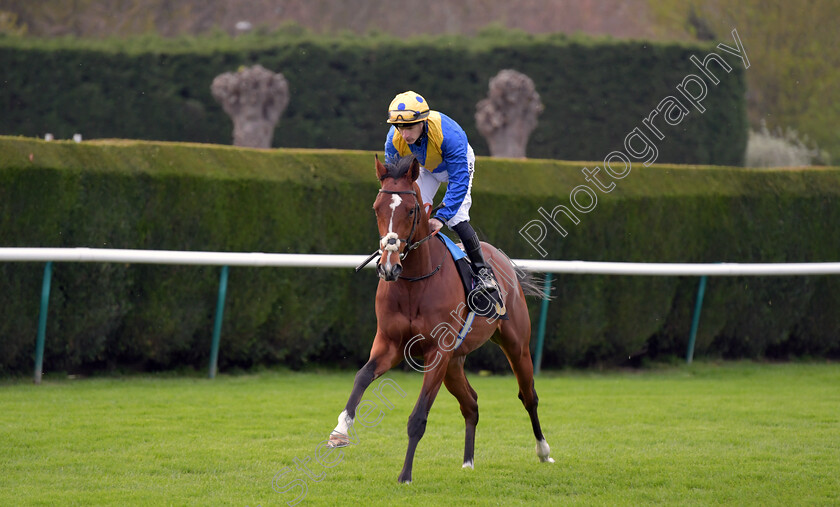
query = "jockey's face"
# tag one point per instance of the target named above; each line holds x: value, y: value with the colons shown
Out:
x: 411, y: 132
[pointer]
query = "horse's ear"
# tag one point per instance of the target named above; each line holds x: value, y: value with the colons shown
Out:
x: 380, y: 169
x: 414, y: 170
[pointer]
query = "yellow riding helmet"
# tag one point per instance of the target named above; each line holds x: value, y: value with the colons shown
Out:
x: 408, y: 107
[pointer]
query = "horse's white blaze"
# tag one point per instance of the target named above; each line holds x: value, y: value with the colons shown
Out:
x: 396, y: 200
x: 543, y: 451
x: 345, y: 422
x: 468, y: 464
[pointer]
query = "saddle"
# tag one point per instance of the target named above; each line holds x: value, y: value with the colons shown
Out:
x: 483, y: 303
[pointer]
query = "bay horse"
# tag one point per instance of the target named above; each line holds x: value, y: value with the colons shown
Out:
x: 419, y: 296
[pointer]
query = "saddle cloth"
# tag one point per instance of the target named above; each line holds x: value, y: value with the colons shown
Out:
x: 481, y: 302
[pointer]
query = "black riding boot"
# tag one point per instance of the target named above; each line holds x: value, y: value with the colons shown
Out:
x: 487, y: 281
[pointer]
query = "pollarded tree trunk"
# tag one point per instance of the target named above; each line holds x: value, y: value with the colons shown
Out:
x: 508, y: 115
x: 254, y: 98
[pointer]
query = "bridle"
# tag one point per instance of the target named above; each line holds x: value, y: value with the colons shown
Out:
x: 393, y: 242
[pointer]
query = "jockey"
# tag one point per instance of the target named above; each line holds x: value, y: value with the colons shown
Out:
x: 445, y: 156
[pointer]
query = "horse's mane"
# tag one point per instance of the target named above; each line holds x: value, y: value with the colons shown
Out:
x: 399, y: 167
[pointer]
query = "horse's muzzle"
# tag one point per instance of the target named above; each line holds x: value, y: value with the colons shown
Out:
x: 389, y: 273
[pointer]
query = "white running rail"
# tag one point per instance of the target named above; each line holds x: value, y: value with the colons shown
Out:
x: 351, y: 261
x: 257, y: 259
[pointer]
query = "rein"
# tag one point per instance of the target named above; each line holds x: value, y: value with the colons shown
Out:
x: 418, y: 278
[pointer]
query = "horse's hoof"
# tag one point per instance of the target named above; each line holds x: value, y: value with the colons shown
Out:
x: 543, y: 451
x: 338, y: 440
x: 468, y: 464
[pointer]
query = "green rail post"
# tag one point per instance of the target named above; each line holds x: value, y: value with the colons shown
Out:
x: 695, y: 320
x: 217, y: 326
x: 42, y: 323
x: 541, y: 329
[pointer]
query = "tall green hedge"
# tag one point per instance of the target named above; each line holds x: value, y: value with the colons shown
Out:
x: 595, y: 92
x: 134, y: 194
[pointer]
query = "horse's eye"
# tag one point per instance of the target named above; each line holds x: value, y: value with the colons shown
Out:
x: 411, y: 212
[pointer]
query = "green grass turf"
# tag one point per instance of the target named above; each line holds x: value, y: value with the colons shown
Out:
x: 732, y: 434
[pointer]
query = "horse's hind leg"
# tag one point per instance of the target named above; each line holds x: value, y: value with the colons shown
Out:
x: 457, y: 384
x: 514, y: 342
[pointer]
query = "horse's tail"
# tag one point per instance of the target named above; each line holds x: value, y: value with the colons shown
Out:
x: 532, y: 284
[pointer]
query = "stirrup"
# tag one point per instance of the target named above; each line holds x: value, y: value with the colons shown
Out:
x: 486, y: 280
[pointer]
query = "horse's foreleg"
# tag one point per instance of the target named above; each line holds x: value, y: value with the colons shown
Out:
x: 382, y: 359
x: 417, y: 420
x: 457, y: 384
x: 340, y: 436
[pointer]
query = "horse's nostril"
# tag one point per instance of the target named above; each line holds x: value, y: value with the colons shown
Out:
x: 396, y: 271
